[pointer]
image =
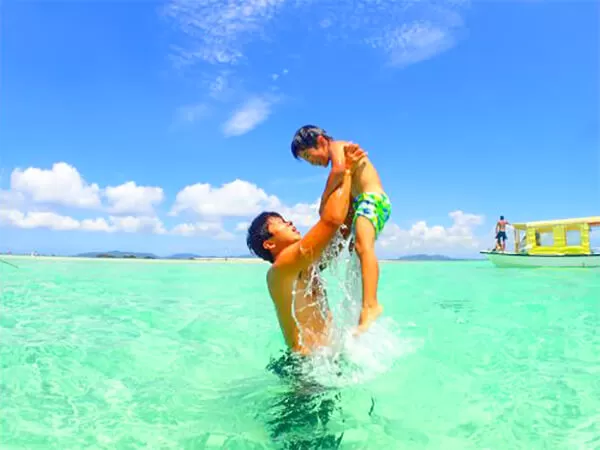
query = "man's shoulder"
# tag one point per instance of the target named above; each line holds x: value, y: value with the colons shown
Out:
x: 281, y: 267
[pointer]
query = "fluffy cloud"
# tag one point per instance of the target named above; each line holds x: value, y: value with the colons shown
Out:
x: 64, y: 185
x: 242, y: 226
x: 302, y: 214
x: 54, y: 221
x: 129, y: 198
x: 248, y: 116
x: 215, y: 34
x: 37, y: 219
x: 131, y: 207
x: 415, y: 42
x: 11, y: 199
x: 421, y: 237
x: 131, y: 210
x: 217, y: 29
x: 235, y: 199
x: 213, y: 230
x: 60, y: 185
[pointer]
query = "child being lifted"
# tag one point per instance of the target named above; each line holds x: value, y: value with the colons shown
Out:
x: 371, y: 207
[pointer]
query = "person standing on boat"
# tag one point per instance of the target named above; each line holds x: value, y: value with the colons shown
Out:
x: 501, y: 232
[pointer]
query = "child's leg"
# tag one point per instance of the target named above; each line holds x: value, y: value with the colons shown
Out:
x: 365, y: 248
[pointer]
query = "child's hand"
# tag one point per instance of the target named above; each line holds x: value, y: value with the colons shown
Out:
x: 353, y: 153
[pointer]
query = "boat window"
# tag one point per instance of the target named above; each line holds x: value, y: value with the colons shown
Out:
x: 546, y: 239
x: 573, y: 237
x: 595, y: 239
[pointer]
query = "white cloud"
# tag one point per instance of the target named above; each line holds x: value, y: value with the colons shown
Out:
x: 213, y: 230
x: 410, y: 31
x: 133, y: 224
x: 37, y: 219
x: 54, y: 221
x: 276, y: 76
x: 60, y: 185
x: 98, y: 224
x: 248, y: 116
x: 11, y: 199
x: 301, y: 214
x: 218, y: 30
x: 413, y: 43
x: 64, y: 185
x: 215, y: 34
x: 220, y: 85
x: 129, y: 198
x: 242, y: 226
x: 422, y: 237
x: 235, y: 199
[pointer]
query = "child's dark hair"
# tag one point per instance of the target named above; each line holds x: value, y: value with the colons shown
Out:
x: 258, y: 233
x: 306, y: 137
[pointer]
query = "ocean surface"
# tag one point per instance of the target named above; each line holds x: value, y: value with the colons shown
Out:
x: 100, y: 354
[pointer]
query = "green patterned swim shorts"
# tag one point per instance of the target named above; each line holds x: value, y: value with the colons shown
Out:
x: 375, y: 207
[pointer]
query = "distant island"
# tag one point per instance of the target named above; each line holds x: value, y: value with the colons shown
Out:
x: 117, y: 254
x: 425, y: 257
x: 180, y: 256
x: 141, y: 255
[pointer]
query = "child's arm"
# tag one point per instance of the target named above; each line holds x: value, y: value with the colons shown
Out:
x: 336, y: 175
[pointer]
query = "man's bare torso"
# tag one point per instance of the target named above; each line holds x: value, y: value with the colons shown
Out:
x: 302, y: 309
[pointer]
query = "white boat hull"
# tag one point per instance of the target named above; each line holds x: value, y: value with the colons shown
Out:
x: 518, y: 260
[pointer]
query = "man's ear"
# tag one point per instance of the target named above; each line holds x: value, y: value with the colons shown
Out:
x: 268, y: 244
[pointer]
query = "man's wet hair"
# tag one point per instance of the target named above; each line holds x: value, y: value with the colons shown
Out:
x: 258, y: 233
x: 306, y: 137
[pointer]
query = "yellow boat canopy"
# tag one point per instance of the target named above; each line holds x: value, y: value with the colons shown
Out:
x: 555, y: 237
x: 591, y: 221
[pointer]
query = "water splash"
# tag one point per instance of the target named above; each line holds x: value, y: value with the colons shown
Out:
x: 351, y: 359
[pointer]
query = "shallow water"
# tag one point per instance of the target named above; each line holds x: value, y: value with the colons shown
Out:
x: 132, y: 354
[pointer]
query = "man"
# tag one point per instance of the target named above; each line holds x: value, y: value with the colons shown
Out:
x: 501, y: 233
x: 303, y: 315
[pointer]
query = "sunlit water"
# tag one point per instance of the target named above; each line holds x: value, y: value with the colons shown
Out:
x: 133, y: 354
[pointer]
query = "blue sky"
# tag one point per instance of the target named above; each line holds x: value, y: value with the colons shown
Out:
x: 165, y: 127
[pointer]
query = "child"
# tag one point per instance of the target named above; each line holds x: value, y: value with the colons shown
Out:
x: 371, y: 207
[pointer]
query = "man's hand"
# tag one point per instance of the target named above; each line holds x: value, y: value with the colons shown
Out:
x: 353, y: 154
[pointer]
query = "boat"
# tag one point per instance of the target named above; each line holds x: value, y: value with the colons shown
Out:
x: 551, y: 243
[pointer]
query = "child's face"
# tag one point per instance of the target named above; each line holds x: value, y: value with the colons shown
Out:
x: 317, y: 156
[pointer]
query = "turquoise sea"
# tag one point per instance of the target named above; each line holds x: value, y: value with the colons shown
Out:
x: 100, y: 354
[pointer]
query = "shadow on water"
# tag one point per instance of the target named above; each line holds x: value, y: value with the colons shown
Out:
x: 306, y: 414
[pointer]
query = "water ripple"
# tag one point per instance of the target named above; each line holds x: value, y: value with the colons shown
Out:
x: 130, y: 355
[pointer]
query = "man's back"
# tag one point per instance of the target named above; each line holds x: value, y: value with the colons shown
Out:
x: 302, y: 310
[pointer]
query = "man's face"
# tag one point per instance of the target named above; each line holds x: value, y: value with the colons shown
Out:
x: 283, y: 233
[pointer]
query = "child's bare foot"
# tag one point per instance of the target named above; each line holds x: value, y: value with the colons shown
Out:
x: 367, y: 316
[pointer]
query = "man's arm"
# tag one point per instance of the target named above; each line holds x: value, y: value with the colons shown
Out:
x: 336, y: 175
x: 306, y: 252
